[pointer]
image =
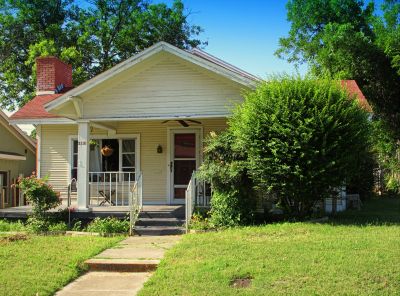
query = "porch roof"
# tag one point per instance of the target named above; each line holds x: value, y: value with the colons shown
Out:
x: 11, y: 156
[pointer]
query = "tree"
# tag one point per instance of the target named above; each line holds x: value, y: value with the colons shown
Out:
x: 92, y: 39
x: 303, y: 138
x: 343, y: 39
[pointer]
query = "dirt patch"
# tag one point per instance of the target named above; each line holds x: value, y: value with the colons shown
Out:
x: 13, y: 238
x: 241, y: 282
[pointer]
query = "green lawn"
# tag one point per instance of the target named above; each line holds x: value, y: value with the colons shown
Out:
x: 44, y: 264
x: 340, y: 258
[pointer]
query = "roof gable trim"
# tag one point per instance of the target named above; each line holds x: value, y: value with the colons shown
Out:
x: 161, y: 46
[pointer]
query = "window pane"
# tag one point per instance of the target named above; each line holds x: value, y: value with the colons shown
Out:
x: 179, y: 193
x: 75, y: 161
x: 185, y: 145
x: 110, y: 163
x: 128, y: 145
x: 128, y: 160
x: 75, y: 148
x: 74, y: 173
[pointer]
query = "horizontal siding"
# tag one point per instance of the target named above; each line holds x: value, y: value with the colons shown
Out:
x: 55, y: 153
x: 168, y: 86
x: 10, y: 143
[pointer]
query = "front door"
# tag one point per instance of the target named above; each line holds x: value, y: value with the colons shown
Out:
x: 183, y: 161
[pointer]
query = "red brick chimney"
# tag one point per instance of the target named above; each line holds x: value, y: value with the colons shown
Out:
x: 52, y: 76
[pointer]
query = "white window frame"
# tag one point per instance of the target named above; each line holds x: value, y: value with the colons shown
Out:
x: 118, y: 137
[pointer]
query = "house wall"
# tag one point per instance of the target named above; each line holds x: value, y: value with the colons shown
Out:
x: 163, y: 87
x: 55, y: 152
x: 10, y: 143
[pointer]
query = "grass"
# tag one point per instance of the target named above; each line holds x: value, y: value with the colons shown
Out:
x: 40, y: 265
x: 356, y: 254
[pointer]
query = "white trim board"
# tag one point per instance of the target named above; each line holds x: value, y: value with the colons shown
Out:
x: 95, y: 120
x: 42, y: 121
x: 12, y: 157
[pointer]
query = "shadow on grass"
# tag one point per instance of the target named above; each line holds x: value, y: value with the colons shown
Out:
x: 377, y: 211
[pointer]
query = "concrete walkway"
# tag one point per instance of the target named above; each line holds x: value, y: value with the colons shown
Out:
x: 139, y: 253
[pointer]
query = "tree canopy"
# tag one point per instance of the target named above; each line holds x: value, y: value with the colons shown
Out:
x: 345, y: 39
x: 92, y: 38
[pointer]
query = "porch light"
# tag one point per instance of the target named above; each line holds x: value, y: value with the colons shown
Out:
x: 159, y: 149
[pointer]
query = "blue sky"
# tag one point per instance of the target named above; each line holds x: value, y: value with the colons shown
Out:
x: 244, y: 33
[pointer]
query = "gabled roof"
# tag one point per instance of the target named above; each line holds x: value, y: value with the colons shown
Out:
x: 352, y: 87
x: 17, y: 132
x: 196, y: 57
x: 35, y: 108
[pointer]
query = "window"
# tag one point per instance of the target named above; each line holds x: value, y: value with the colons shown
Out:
x: 74, y: 165
x: 122, y: 158
x: 128, y: 157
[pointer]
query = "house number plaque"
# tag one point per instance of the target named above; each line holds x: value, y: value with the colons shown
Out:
x: 81, y: 143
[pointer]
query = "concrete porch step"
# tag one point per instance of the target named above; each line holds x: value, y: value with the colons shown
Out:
x: 122, y: 265
x: 160, y: 222
x: 159, y: 230
x: 153, y: 214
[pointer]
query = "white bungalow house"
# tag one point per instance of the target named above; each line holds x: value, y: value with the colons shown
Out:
x: 144, y: 119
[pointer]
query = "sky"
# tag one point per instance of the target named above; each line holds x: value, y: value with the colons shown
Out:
x: 243, y: 33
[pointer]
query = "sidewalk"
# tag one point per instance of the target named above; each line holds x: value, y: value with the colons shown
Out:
x: 139, y: 255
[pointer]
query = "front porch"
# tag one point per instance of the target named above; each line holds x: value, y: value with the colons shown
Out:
x: 156, y: 156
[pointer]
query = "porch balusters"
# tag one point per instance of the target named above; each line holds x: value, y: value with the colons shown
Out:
x: 111, y: 188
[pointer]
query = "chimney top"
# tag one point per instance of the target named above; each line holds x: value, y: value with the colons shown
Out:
x: 52, y: 76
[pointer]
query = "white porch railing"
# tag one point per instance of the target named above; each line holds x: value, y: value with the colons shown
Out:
x: 135, y: 203
x: 111, y: 188
x: 198, y: 194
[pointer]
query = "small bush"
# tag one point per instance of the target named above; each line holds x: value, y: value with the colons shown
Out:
x: 227, y: 209
x: 43, y: 198
x: 59, y: 227
x: 108, y: 225
x: 77, y: 226
x: 37, y: 225
x: 200, y: 221
x: 11, y: 226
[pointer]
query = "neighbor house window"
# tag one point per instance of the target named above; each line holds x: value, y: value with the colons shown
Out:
x: 122, y: 157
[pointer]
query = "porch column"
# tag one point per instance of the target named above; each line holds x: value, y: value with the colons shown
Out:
x: 83, y: 165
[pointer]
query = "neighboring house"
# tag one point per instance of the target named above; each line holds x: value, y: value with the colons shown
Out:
x: 17, y: 158
x: 144, y: 119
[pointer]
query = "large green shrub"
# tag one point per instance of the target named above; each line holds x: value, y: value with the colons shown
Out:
x: 233, y: 200
x: 303, y: 139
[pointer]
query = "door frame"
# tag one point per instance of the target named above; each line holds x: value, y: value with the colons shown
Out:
x: 171, y: 131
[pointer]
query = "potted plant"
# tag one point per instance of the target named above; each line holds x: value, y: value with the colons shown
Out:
x: 107, y: 151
